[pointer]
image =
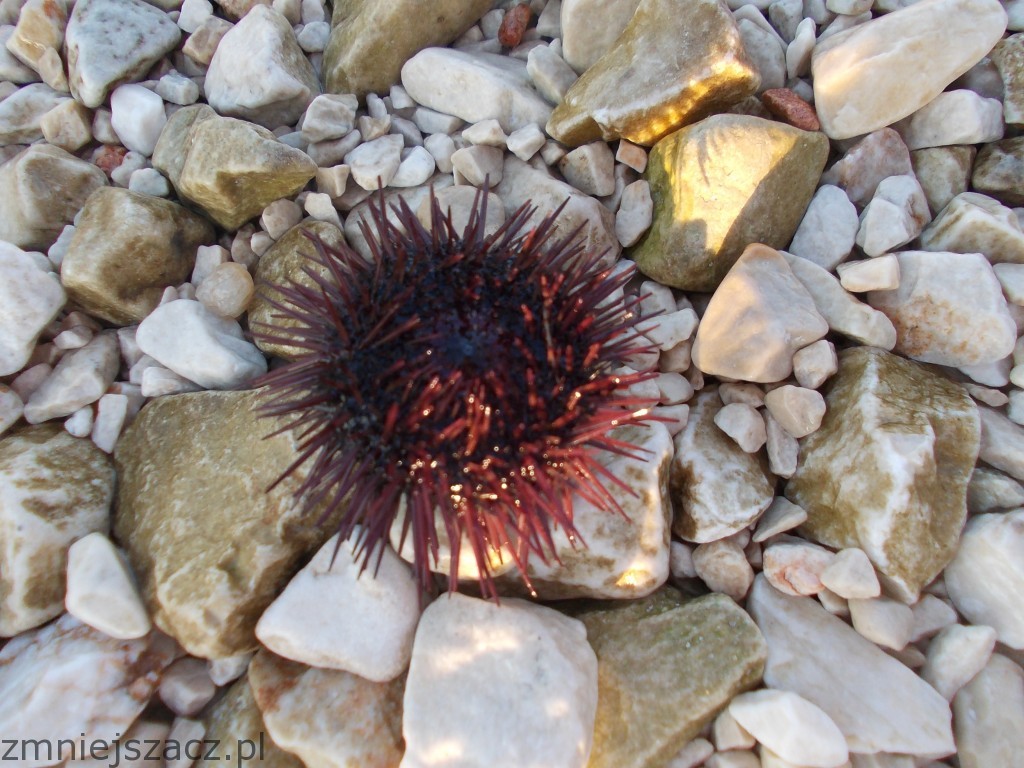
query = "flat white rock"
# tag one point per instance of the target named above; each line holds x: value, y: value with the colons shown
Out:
x: 792, y: 727
x: 29, y: 299
x: 975, y: 223
x: 828, y: 229
x: 475, y: 87
x: 872, y: 75
x: 540, y: 673
x: 953, y: 117
x: 877, y: 702
x: 81, y: 377
x: 986, y: 578
x: 101, y: 590
x: 332, y: 616
x: 192, y: 341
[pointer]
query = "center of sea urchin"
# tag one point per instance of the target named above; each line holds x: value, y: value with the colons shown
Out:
x: 469, y: 376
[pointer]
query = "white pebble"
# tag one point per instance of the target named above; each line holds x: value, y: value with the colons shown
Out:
x: 486, y: 132
x: 744, y: 425
x: 314, y: 36
x: 373, y: 164
x: 681, y: 561
x: 415, y: 168
x: 175, y: 88
x: 111, y: 412
x: 11, y: 408
x: 795, y: 568
x: 797, y: 409
x: 636, y: 211
x: 791, y: 727
x: 320, y: 206
x: 80, y: 378
x: 728, y: 734
x: 815, y: 363
x: 329, y: 116
x: 878, y: 274
x: 79, y: 423
x: 673, y: 388
x: 477, y: 165
x: 441, y: 147
x: 956, y: 655
x: 695, y: 753
x: 193, y: 14
x: 101, y: 591
x: 631, y: 155
x: 186, y: 687
x: 279, y: 217
x: 741, y: 392
x: 883, y: 620
x: 137, y: 115
x: 851, y: 575
x: 723, y: 567
x: 782, y: 515
x: 228, y: 669
x: 590, y: 168
x: 182, y: 732
x: 783, y: 448
x: 227, y: 290
x: 526, y: 141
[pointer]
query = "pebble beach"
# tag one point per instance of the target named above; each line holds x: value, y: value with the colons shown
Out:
x: 820, y: 560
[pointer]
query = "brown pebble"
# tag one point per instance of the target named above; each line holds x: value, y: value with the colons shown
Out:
x: 109, y: 157
x: 787, y: 106
x: 510, y: 33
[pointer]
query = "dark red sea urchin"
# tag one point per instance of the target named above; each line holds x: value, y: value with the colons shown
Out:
x: 470, y: 376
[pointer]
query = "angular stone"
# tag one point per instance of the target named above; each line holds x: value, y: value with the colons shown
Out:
x: 370, y: 41
x: 757, y: 319
x: 127, y: 248
x: 21, y: 113
x: 1002, y: 443
x: 717, y: 488
x: 536, y: 661
x: 989, y: 716
x: 695, y: 656
x: 29, y: 299
x: 878, y: 704
x: 522, y: 183
x: 700, y: 230
x: 235, y: 720
x: 974, y: 223
x: 328, y: 717
x: 889, y: 467
x: 583, y: 41
x: 210, y: 546
x: 283, y: 264
x: 97, y: 56
x: 271, y: 89
x: 667, y: 69
x: 953, y: 117
x: 828, y: 229
x: 54, y: 489
x: 877, y: 156
x: 230, y: 168
x: 999, y: 169
x: 41, y: 25
x: 67, y: 678
x: 872, y: 75
x: 11, y: 68
x: 949, y: 309
x: 791, y: 727
x: 943, y: 173
x: 1008, y: 57
x: 79, y: 379
x: 625, y: 556
x: 475, y: 87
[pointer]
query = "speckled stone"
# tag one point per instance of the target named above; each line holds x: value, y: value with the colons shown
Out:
x: 328, y: 717
x: 54, y: 489
x: 230, y: 168
x: 126, y: 249
x: 99, y: 56
x: 282, y: 264
x: 237, y: 726
x: 210, y: 545
x: 700, y: 229
x: 665, y: 667
x: 670, y: 67
x: 371, y: 40
x: 889, y: 467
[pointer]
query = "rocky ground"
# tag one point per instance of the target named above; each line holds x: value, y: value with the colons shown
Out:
x: 823, y: 564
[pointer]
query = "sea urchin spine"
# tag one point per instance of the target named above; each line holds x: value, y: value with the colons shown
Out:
x: 470, y: 378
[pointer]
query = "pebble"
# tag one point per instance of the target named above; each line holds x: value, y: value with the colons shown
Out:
x: 195, y: 343
x: 949, y: 309
x: 953, y: 117
x: 372, y: 165
x: 931, y: 615
x: 29, y: 300
x: 314, y: 36
x: 186, y: 687
x: 334, y: 615
x: 21, y: 113
x: 97, y: 57
x: 487, y: 132
x: 975, y: 223
x: 111, y: 412
x: 795, y: 567
x: 878, y: 274
x: 280, y: 216
x: 985, y: 578
x: 525, y: 142
x: 956, y: 655
x: 101, y: 590
x: 896, y: 215
x: 175, y: 88
x: 137, y: 116
x: 851, y: 575
x: 458, y: 202
x: 989, y: 714
x: 478, y: 165
x: 68, y: 126
x: 765, y: 51
x: 542, y: 661
x: 991, y: 491
x: 202, y: 44
x: 11, y: 408
x: 759, y: 297
x: 815, y: 363
x: 791, y: 727
x: 149, y: 181
x: 877, y: 156
x: 798, y: 410
x: 723, y: 567
x: 943, y: 172
x: 783, y: 449
x: 890, y: 67
x: 551, y: 76
x: 193, y: 14
x: 590, y: 169
x: 474, y: 87
x: 80, y: 378
x: 787, y: 105
x: 743, y: 424
x: 12, y: 70
x: 883, y: 621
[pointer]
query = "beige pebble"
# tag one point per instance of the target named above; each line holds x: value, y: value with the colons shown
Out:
x: 815, y: 363
x: 743, y: 424
x: 728, y: 734
x: 742, y: 392
x: 797, y: 409
x: 851, y: 575
x: 783, y: 448
x: 723, y: 566
x: 883, y: 621
x: 186, y: 686
x: 956, y: 655
x: 227, y: 290
x: 795, y: 567
x: 782, y: 515
x: 878, y: 274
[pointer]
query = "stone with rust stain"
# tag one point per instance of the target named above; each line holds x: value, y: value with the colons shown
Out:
x: 283, y: 264
x: 371, y: 40
x: 326, y: 716
x: 126, y: 249
x: 211, y: 546
x: 234, y: 722
x: 720, y: 185
x: 674, y: 64
x: 665, y: 668
x: 54, y: 489
x: 889, y: 466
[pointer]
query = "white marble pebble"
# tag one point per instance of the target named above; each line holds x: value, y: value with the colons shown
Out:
x: 68, y: 126
x: 953, y: 117
x: 590, y: 168
x: 193, y: 14
x: 848, y: 7
x: 986, y: 395
x: 329, y: 116
x: 280, y: 216
x: 486, y: 132
x: 815, y: 363
x: 175, y: 88
x: 149, y: 181
x: 551, y: 76
x: 137, y: 115
x: 11, y: 408
x: 313, y: 11
x: 723, y: 567
x: 794, y: 567
x: 228, y: 669
x: 631, y: 155
x: 260, y: 242
x: 373, y: 164
x: 186, y: 687
x: 400, y: 99
x: 956, y: 655
x: 728, y: 734
x: 744, y: 426
x: 101, y: 590
x: 441, y: 147
x: 373, y: 127
x: 131, y: 162
x: 416, y: 167
x: 675, y: 359
x: 73, y: 338
x: 741, y: 392
x: 332, y: 181
x: 80, y: 378
x: 29, y: 299
x: 792, y: 727
x: 29, y: 380
x: 673, y: 388
x: 79, y: 423
x: 994, y: 374
x: 833, y: 603
x: 828, y: 229
x: 765, y: 51
x: 477, y: 165
x: 799, y: 410
x: 737, y: 759
x: 314, y: 36
x: 694, y: 753
x: 655, y: 299
x: 674, y: 417
x: 883, y: 620
x: 111, y: 412
x: 636, y: 211
x: 1011, y: 278
x: 208, y: 258
x: 320, y: 207
x: 227, y: 290
x: 681, y: 561
x: 782, y: 515
x: 1015, y: 408
x: 878, y: 274
x: 407, y: 129
x: 552, y: 152
x: 183, y: 730
x: 59, y: 249
x: 430, y: 121
x: 799, y: 50
x: 783, y: 449
x: 671, y: 330
x: 851, y: 575
x: 896, y: 215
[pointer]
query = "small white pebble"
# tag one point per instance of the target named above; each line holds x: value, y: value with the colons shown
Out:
x: 279, y: 217
x: 486, y: 132
x: 741, y: 392
x: 478, y: 164
x: 851, y: 575
x: 11, y: 408
x: 101, y: 590
x: 632, y: 155
x: 673, y: 388
x: 723, y: 567
x: 792, y: 727
x: 693, y: 754
x: 815, y: 363
x: 193, y: 14
x: 138, y: 117
x: 783, y: 448
x: 883, y: 621
x: 227, y: 290
x: 674, y: 417
x: 956, y: 655
x: 799, y: 410
x: 670, y: 330
x: 208, y: 258
x: 186, y: 687
x: 29, y: 380
x: 73, y: 338
x: 931, y: 614
x: 681, y: 561
x: 526, y: 141
x: 590, y: 168
x: 260, y: 242
x: 744, y: 426
x: 228, y: 669
x: 314, y: 36
x: 636, y: 211
x: 400, y: 98
x: 416, y: 167
x: 79, y: 423
x: 175, y: 88
x: 320, y: 207
x: 332, y: 181
x: 795, y: 567
x: 441, y: 147
x: 111, y: 411
x: 782, y: 515
x: 157, y: 381
x: 738, y: 759
x: 728, y: 734
x: 879, y: 274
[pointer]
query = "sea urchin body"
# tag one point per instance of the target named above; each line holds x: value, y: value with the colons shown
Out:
x: 468, y: 378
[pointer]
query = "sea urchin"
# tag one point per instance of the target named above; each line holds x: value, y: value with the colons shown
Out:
x: 467, y: 378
